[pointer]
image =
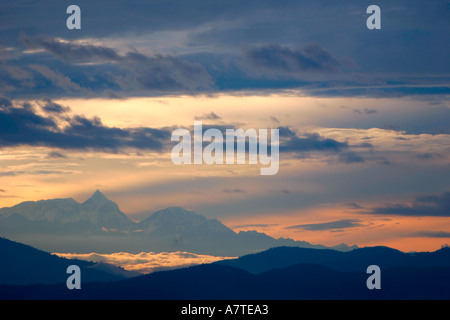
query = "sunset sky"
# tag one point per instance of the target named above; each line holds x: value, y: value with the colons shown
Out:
x: 363, y: 115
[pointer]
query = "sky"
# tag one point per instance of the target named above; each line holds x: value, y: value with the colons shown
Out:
x: 363, y: 115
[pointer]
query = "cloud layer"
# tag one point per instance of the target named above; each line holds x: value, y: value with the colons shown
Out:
x: 273, y: 58
x: 146, y: 262
x: 49, y: 124
x: 86, y: 70
x: 427, y: 205
x: 333, y: 225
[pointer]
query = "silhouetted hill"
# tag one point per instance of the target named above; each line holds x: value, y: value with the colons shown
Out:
x: 22, y: 264
x: 356, y: 260
x: 278, y: 273
x: 220, y: 282
x: 281, y: 257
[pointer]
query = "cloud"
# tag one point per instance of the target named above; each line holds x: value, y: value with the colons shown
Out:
x: 274, y: 119
x: 8, y: 196
x: 303, y: 145
x: 98, y: 70
x: 428, y: 156
x: 56, y: 155
x: 21, y: 125
x: 227, y: 190
x: 146, y: 262
x: 50, y: 106
x: 256, y: 225
x: 291, y: 142
x: 208, y: 116
x: 427, y: 205
x: 277, y: 59
x: 207, y: 37
x: 300, y: 145
x: 13, y: 173
x: 333, y: 225
x: 355, y: 205
x: 431, y: 234
x: 350, y: 157
x: 365, y: 111
x: 5, y: 103
x: 69, y: 52
x: 56, y: 78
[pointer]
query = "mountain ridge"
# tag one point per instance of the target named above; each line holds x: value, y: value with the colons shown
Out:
x: 97, y: 210
x: 350, y: 261
x: 23, y: 264
x: 221, y: 282
x: 98, y: 225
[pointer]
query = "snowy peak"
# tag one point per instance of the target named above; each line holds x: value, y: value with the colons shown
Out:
x: 54, y: 210
x: 177, y: 219
x: 177, y: 215
x: 97, y: 210
x: 97, y: 198
x: 103, y: 212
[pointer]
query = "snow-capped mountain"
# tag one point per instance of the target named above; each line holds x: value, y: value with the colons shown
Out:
x: 98, y: 225
x: 97, y: 210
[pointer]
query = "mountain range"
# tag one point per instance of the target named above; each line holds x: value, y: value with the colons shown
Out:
x: 98, y: 225
x: 287, y: 273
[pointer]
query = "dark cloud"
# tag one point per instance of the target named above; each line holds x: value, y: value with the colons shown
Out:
x: 350, y: 157
x: 427, y: 205
x: 112, y: 17
x: 8, y: 196
x: 56, y: 78
x: 431, y: 234
x: 333, y: 225
x: 56, y: 155
x: 365, y: 111
x: 274, y: 119
x: 302, y: 146
x: 24, y: 124
x: 50, y: 106
x: 278, y: 59
x: 272, y: 33
x: 286, y: 132
x: 428, y: 156
x: 256, y: 225
x: 5, y: 103
x: 164, y: 73
x: 208, y: 116
x: 291, y: 142
x: 236, y: 190
x: 354, y: 205
x: 70, y: 52
x: 95, y: 70
x: 21, y: 125
x: 14, y: 173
